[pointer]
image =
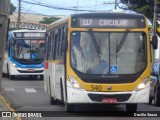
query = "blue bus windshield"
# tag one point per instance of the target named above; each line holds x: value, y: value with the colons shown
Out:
x: 28, y: 49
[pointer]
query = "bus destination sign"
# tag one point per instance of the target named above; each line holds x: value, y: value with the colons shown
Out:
x: 111, y: 23
x: 29, y: 35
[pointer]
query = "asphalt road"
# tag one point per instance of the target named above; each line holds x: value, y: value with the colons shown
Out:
x: 26, y: 94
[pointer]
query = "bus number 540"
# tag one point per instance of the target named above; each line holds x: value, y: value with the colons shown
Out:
x: 96, y: 87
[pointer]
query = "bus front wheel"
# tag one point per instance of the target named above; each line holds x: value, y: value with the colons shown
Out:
x: 53, y: 101
x: 3, y: 74
x: 157, y: 97
x: 69, y: 107
x: 7, y: 71
x: 131, y: 107
x: 41, y: 77
x: 150, y: 100
x: 11, y: 77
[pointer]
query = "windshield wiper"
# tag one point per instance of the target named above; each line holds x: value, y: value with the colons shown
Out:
x: 94, y: 41
x: 122, y: 41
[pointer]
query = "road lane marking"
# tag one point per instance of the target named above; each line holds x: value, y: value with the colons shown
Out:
x: 30, y: 90
x: 10, y: 89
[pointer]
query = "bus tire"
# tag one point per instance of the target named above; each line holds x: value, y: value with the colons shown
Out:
x: 3, y: 74
x: 156, y: 98
x: 7, y: 71
x: 69, y: 107
x: 131, y: 107
x: 11, y: 77
x: 30, y: 76
x: 41, y: 77
x: 53, y: 101
x: 150, y: 100
x: 62, y: 95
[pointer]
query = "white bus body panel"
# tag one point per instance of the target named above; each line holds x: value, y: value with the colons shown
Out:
x: 52, y: 80
x: 46, y: 81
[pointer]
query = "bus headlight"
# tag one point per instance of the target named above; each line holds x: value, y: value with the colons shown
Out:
x: 142, y: 84
x: 74, y: 83
x: 13, y: 64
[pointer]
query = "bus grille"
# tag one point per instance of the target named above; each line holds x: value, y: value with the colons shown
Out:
x: 99, y: 97
x: 37, y: 71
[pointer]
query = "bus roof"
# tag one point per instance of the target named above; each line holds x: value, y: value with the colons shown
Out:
x: 62, y: 20
x: 120, y: 14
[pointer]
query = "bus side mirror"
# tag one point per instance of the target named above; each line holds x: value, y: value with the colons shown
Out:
x: 154, y: 42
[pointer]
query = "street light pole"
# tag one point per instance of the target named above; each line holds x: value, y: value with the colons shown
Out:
x: 19, y: 14
x: 155, y: 18
x: 154, y: 30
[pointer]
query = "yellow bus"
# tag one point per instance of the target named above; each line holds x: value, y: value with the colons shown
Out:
x: 99, y: 58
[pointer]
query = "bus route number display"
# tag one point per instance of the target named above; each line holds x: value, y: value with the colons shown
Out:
x: 29, y: 35
x: 111, y: 23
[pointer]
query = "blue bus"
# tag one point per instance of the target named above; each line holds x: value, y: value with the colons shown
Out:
x: 24, y: 53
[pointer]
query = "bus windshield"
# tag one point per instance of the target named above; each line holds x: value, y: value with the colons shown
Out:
x: 28, y: 49
x: 131, y: 58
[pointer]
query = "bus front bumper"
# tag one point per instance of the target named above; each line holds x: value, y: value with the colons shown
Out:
x: 82, y: 96
x: 27, y: 71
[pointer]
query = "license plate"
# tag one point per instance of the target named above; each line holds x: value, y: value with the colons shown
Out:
x: 109, y: 100
x: 30, y: 69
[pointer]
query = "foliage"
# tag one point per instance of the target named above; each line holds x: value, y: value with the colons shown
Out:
x: 12, y: 8
x: 47, y: 20
x: 145, y: 7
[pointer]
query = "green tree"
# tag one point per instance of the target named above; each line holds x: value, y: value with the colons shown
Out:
x: 47, y: 20
x: 12, y: 8
x: 145, y: 7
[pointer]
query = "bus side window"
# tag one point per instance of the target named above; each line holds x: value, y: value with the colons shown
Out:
x: 48, y: 46
x: 56, y: 43
x: 59, y: 43
x: 53, y: 45
x: 64, y: 42
x: 65, y: 32
x: 65, y: 36
x: 61, y: 40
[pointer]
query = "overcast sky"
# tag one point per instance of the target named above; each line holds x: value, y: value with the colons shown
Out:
x: 97, y: 5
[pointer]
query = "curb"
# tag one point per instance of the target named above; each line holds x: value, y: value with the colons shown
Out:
x: 8, y: 106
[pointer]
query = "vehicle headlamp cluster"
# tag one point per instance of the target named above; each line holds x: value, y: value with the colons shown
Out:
x: 14, y: 65
x: 142, y: 85
x: 74, y: 83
